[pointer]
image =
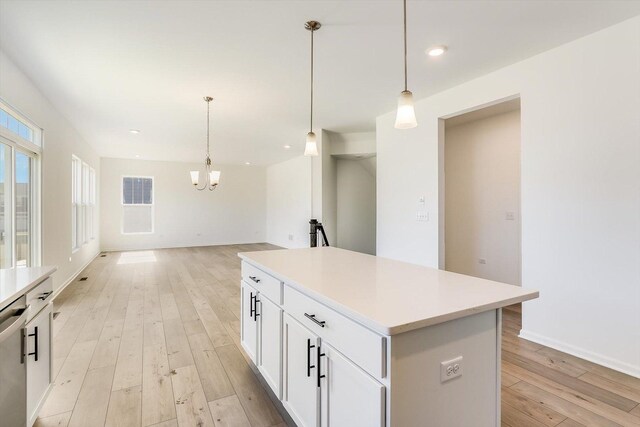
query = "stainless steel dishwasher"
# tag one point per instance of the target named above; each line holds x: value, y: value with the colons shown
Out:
x: 13, y: 372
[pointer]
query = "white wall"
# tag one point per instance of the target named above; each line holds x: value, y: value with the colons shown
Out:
x: 60, y: 141
x: 353, y: 143
x: 289, y: 202
x: 234, y: 213
x: 580, y: 189
x: 356, y: 205
x: 482, y: 184
x: 329, y: 193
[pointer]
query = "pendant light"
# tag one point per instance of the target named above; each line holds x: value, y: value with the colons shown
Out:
x: 212, y: 178
x: 311, y: 147
x: 406, y: 116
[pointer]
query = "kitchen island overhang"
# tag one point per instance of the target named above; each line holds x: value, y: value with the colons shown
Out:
x: 383, y: 332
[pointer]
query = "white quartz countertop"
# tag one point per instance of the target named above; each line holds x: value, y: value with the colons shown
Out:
x: 15, y: 282
x: 385, y: 295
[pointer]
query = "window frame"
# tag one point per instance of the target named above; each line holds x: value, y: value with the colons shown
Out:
x: 33, y: 150
x: 151, y: 205
x: 83, y: 202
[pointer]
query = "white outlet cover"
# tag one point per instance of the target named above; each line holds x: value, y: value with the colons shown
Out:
x: 451, y: 369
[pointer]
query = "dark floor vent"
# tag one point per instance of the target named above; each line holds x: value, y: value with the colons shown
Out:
x: 56, y: 314
x: 103, y: 255
x: 82, y: 279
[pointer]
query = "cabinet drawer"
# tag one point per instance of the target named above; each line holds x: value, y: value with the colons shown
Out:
x: 39, y: 297
x: 363, y: 346
x: 266, y: 284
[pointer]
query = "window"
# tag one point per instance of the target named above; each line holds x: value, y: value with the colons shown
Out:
x: 16, y: 126
x: 19, y: 190
x: 91, y: 206
x: 137, y: 205
x: 83, y: 201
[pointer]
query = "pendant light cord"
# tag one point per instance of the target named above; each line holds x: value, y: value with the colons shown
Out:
x: 311, y: 116
x: 405, y: 45
x: 208, y: 119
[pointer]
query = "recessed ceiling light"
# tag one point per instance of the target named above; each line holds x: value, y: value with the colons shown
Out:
x: 436, y: 50
x: 286, y: 147
x: 137, y: 156
x: 134, y: 131
x: 247, y: 163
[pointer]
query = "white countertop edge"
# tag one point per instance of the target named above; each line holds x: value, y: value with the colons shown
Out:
x: 375, y: 326
x: 34, y: 281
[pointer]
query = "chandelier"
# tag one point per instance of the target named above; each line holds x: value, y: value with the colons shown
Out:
x: 212, y: 177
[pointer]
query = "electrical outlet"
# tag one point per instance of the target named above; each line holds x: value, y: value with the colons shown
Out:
x: 482, y: 261
x: 450, y: 369
x: 290, y: 236
x: 510, y: 216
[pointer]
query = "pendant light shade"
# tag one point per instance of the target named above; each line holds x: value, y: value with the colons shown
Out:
x: 194, y: 177
x: 311, y: 147
x: 406, y: 116
x: 214, y: 178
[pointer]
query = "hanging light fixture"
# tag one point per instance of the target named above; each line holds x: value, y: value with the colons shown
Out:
x: 212, y: 178
x: 311, y: 147
x: 406, y: 116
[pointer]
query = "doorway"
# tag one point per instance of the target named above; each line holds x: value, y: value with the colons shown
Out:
x: 482, y: 225
x: 356, y: 202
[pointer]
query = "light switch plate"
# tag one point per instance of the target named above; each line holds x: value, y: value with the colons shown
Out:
x: 450, y: 369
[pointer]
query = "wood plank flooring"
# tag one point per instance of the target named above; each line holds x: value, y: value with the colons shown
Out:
x: 545, y: 387
x: 151, y: 338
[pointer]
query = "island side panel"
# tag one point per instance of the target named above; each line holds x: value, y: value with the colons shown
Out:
x: 417, y: 395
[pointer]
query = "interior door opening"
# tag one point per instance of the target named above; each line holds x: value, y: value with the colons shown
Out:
x: 482, y: 224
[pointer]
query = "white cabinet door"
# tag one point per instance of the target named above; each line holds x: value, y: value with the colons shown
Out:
x: 38, y: 346
x: 301, y: 395
x: 350, y: 397
x: 248, y: 321
x: 270, y: 342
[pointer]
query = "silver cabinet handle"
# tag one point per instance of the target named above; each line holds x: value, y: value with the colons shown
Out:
x: 255, y: 279
x: 312, y: 317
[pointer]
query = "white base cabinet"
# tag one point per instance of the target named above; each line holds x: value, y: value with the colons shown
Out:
x: 301, y: 395
x: 38, y: 358
x: 261, y: 334
x: 317, y: 384
x: 249, y: 321
x: 350, y: 397
x: 270, y: 343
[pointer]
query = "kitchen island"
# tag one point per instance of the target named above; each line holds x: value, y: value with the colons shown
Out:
x: 348, y: 339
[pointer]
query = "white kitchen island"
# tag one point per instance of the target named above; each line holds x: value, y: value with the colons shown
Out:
x: 348, y: 339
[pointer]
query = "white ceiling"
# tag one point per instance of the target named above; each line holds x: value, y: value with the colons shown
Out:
x: 110, y: 66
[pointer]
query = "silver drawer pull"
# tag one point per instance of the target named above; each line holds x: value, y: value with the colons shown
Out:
x: 255, y: 279
x: 320, y: 323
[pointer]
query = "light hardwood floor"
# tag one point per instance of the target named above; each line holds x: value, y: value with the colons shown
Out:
x: 152, y: 338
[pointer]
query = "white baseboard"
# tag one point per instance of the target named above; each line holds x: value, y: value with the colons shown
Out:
x: 597, y: 358
x: 152, y: 247
x: 74, y: 276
